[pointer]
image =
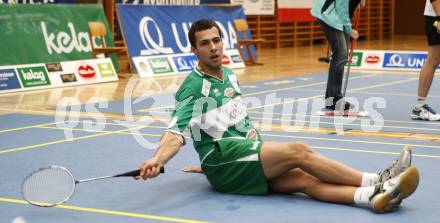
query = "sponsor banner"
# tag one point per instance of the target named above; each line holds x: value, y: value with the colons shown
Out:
x: 256, y: 7
x: 160, y: 65
x: 356, y: 59
x: 41, y: 33
x: 50, y: 75
x: 151, y: 31
x: 68, y: 78
x: 185, y: 63
x: 8, y: 80
x: 149, y: 66
x: 372, y: 60
x: 404, y: 60
x: 54, y: 67
x: 168, y: 2
x: 295, y: 11
x: 86, y: 72
x: 33, y: 76
x: 172, y: 2
x: 35, y: 1
x: 389, y: 60
x: 106, y: 70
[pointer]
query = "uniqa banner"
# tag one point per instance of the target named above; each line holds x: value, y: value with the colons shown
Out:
x: 47, y: 32
x: 157, y: 30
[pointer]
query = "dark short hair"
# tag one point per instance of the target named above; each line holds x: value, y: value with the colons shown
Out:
x: 201, y: 25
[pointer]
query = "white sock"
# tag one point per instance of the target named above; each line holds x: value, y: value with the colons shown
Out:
x: 420, y: 102
x: 369, y: 179
x: 362, y: 196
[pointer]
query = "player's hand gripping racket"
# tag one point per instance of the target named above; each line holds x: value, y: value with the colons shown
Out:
x: 54, y: 185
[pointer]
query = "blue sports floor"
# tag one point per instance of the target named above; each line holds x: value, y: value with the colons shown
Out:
x: 104, y: 147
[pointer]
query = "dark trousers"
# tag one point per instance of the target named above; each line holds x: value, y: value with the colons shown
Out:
x: 339, y: 42
x: 352, y: 5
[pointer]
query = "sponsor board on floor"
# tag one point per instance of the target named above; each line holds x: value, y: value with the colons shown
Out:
x: 152, y: 66
x: 50, y: 75
x: 388, y: 60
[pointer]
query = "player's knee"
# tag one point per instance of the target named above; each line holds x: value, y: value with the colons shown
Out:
x: 341, y: 57
x: 299, y: 152
x: 342, y: 61
x: 432, y: 61
x: 435, y: 61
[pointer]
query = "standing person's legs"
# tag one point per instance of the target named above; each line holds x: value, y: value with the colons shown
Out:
x: 422, y: 111
x: 427, y: 73
x: 338, y: 43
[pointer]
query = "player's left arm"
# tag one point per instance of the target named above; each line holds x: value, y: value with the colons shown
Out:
x: 193, y: 169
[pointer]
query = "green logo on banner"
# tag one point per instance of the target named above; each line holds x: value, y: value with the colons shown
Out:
x: 106, y: 70
x: 160, y: 65
x: 33, y: 76
x: 356, y: 60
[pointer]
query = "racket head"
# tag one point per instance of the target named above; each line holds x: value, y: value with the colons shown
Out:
x: 48, y: 186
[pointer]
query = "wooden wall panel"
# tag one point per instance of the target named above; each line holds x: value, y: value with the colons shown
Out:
x: 376, y: 22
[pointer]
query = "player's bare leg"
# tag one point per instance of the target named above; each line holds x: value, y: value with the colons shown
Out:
x: 278, y: 158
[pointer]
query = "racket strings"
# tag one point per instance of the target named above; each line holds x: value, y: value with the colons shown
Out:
x: 48, y: 187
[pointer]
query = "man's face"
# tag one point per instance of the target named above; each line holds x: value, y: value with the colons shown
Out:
x: 209, y: 48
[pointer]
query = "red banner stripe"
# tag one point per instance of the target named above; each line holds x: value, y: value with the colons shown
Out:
x: 295, y: 15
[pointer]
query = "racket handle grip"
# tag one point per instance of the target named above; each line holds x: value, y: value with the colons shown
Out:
x: 135, y: 173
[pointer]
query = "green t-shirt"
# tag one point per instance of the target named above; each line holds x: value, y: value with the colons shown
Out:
x: 213, y: 109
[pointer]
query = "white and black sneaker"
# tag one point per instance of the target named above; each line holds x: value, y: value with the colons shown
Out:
x: 389, y: 194
x: 425, y: 113
x: 399, y: 165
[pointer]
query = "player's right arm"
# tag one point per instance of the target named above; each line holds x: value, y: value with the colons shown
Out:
x: 172, y: 139
x: 170, y: 143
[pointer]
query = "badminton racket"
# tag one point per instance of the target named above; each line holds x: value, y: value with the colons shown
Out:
x: 54, y: 185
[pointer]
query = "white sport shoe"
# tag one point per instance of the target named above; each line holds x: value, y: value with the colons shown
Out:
x: 399, y: 165
x: 390, y: 194
x: 425, y: 113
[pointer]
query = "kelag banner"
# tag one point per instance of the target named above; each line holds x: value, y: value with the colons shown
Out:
x: 44, y: 33
x: 151, y: 30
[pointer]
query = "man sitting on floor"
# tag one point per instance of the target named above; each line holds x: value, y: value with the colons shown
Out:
x: 236, y: 160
